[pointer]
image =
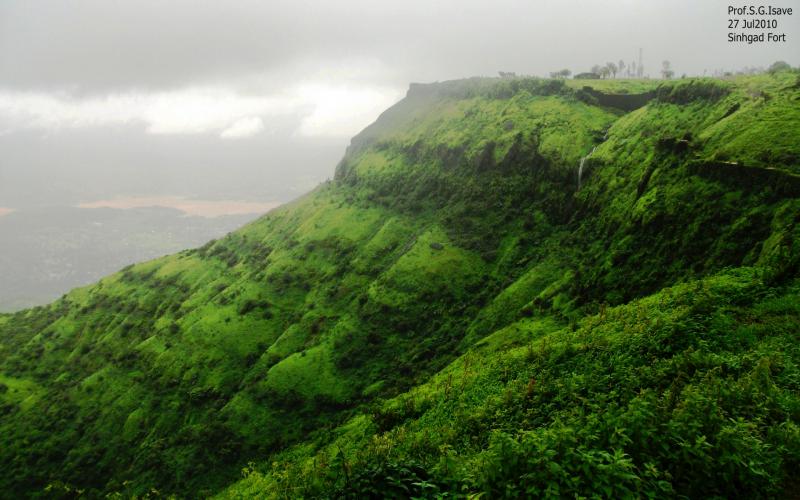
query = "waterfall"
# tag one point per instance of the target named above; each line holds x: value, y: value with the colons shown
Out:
x: 580, y: 166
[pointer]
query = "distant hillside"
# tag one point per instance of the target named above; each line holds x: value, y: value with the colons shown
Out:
x: 48, y: 251
x: 453, y: 315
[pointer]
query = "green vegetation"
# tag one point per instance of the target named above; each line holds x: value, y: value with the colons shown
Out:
x: 652, y: 398
x: 452, y: 316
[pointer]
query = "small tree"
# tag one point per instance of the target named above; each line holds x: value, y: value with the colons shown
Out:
x: 612, y: 68
x: 778, y: 66
x: 666, y: 70
x: 621, y: 65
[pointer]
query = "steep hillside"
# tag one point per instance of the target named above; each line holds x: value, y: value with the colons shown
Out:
x: 452, y: 312
x: 691, y: 392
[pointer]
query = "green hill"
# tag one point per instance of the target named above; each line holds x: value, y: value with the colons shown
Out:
x: 452, y: 315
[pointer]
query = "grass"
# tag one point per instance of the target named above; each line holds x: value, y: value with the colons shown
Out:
x: 528, y: 398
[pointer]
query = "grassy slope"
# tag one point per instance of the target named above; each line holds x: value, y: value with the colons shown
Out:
x: 453, y: 217
x: 651, y: 398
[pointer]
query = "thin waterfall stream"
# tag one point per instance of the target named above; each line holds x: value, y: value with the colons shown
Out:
x: 580, y: 166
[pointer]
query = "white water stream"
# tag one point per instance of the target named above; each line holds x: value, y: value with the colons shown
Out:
x: 580, y: 166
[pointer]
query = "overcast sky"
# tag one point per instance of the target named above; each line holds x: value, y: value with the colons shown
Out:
x: 257, y: 99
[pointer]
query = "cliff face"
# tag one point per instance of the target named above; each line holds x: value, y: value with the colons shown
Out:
x: 337, y: 335
x: 622, y: 102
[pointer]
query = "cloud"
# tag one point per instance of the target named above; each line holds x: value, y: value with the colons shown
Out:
x: 322, y: 108
x: 341, y: 110
x: 243, y: 127
x: 187, y: 111
x: 199, y: 66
